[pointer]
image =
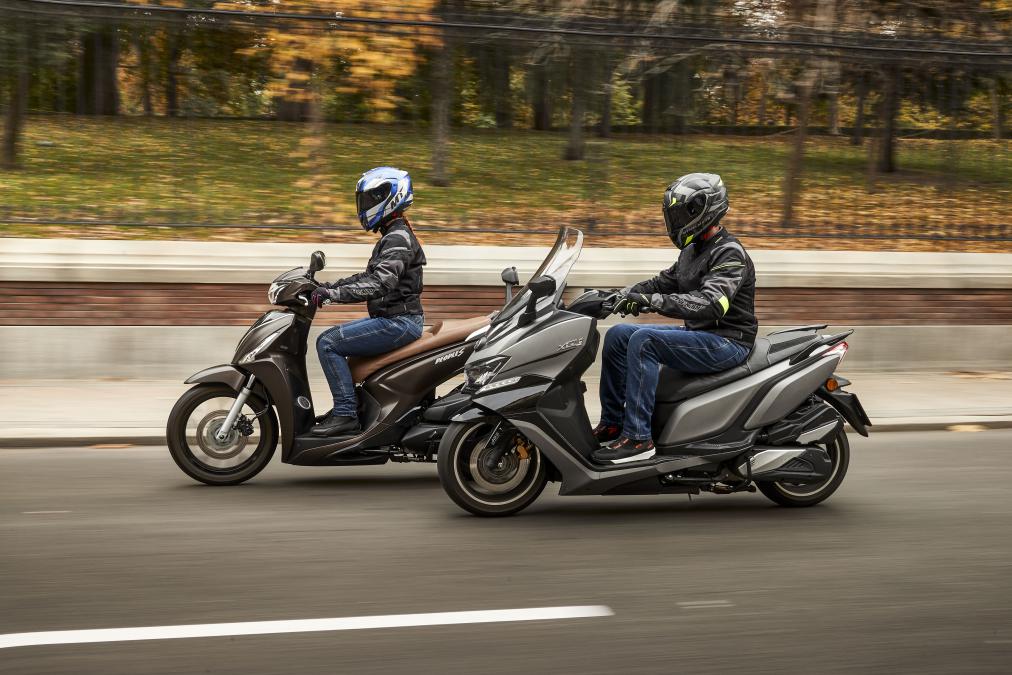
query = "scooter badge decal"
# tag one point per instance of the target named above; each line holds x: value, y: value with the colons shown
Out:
x: 575, y: 342
x: 451, y: 355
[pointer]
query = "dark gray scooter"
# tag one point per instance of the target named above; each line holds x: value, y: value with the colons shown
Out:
x: 776, y: 422
x: 224, y: 430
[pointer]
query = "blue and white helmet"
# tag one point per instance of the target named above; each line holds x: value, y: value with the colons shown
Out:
x: 381, y: 192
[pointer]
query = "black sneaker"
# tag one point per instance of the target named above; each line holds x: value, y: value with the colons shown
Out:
x: 603, y: 433
x: 625, y: 450
x: 337, y: 425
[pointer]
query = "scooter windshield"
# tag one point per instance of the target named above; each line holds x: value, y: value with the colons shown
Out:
x: 557, y: 264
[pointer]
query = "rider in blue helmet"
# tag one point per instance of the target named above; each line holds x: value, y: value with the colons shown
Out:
x: 391, y: 285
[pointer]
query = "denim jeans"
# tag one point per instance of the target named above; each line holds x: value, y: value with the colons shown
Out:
x: 362, y: 337
x: 630, y: 365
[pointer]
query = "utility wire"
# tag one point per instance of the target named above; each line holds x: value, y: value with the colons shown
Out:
x: 825, y: 42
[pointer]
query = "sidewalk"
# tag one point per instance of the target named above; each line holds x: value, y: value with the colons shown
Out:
x: 40, y: 413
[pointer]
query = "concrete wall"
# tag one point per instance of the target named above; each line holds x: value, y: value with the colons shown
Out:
x: 174, y: 353
x: 158, y: 352
x: 222, y: 262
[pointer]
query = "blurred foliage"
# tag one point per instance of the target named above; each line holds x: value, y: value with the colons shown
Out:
x: 334, y: 98
x: 156, y: 170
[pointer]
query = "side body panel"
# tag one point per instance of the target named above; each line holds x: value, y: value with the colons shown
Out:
x: 712, y: 412
x: 391, y: 401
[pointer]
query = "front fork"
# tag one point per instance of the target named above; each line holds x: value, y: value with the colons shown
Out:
x: 233, y: 413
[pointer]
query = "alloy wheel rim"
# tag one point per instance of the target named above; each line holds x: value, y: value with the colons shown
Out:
x: 202, y: 426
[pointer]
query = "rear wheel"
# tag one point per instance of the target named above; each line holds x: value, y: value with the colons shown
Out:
x: 192, y: 436
x: 490, y: 469
x: 810, y: 494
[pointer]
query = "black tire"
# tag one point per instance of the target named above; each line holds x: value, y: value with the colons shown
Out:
x: 456, y: 450
x: 809, y: 495
x: 245, y: 465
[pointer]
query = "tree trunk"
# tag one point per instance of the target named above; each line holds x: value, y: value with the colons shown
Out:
x: 98, y: 86
x: 501, y: 78
x: 171, y: 76
x: 997, y: 112
x: 142, y: 43
x: 890, y: 106
x: 832, y: 73
x: 578, y: 77
x: 541, y: 104
x: 862, y: 92
x: 442, y: 92
x: 297, y: 104
x: 18, y: 90
x: 763, y: 87
x: 650, y: 115
x: 795, y: 163
x: 604, y: 128
x: 833, y: 112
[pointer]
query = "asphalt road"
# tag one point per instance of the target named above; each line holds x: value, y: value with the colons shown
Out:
x: 908, y: 568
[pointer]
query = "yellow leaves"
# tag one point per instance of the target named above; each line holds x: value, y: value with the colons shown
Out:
x: 377, y: 60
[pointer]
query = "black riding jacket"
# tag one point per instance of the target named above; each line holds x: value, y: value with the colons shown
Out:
x: 392, y: 281
x: 711, y: 287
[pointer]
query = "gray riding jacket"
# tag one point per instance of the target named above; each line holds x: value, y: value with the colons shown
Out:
x: 392, y: 281
x: 711, y: 287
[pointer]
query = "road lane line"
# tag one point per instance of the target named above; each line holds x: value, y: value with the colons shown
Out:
x: 64, y: 637
x: 33, y: 513
x: 700, y: 604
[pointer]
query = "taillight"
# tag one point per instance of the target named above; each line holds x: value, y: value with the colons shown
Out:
x: 840, y: 348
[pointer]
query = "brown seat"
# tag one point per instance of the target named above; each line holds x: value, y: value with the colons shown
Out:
x: 440, y: 334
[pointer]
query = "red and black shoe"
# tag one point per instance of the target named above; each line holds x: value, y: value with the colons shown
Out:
x: 604, y: 433
x: 625, y: 450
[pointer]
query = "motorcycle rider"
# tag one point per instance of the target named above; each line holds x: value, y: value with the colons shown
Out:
x: 391, y: 285
x: 711, y: 287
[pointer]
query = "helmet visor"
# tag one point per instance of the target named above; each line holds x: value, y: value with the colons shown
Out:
x: 681, y: 213
x: 370, y: 198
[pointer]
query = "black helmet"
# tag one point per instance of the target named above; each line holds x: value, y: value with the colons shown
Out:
x: 693, y: 203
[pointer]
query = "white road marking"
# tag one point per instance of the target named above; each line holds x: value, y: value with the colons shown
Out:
x: 34, y: 513
x: 701, y: 604
x: 64, y: 637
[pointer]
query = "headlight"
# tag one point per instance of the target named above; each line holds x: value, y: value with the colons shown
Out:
x: 272, y: 292
x: 252, y: 354
x: 480, y: 373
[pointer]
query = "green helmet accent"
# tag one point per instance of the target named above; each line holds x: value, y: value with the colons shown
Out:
x: 693, y: 203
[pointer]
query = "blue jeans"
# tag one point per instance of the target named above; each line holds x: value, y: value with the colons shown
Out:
x: 630, y: 366
x: 362, y: 337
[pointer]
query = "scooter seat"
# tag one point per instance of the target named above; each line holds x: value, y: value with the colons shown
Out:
x: 675, y: 385
x: 439, y: 334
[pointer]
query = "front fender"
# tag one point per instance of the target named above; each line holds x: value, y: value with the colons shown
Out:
x: 223, y: 374
x: 230, y: 376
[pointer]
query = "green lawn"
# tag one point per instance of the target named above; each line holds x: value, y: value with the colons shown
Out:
x: 162, y: 170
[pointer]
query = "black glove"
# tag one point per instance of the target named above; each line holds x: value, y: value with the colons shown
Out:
x: 631, y: 303
x: 323, y: 294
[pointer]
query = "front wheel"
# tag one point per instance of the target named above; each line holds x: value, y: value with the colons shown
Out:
x: 790, y: 494
x: 192, y: 436
x: 489, y: 468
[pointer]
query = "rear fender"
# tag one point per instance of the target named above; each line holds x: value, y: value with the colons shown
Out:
x: 848, y: 406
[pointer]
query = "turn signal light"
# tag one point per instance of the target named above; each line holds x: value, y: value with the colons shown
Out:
x: 832, y: 384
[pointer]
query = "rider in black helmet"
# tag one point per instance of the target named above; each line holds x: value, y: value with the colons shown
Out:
x: 711, y: 287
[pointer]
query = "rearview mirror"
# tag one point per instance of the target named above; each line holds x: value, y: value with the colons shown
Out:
x: 540, y: 287
x: 509, y: 276
x: 317, y: 262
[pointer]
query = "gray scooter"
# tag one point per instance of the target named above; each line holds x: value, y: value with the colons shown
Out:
x: 775, y: 423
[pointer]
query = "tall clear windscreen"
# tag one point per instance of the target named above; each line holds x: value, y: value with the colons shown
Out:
x: 557, y: 264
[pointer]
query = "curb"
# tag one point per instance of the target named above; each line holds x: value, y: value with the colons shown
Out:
x: 147, y: 440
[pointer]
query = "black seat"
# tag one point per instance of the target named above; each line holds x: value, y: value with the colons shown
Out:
x: 675, y: 385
